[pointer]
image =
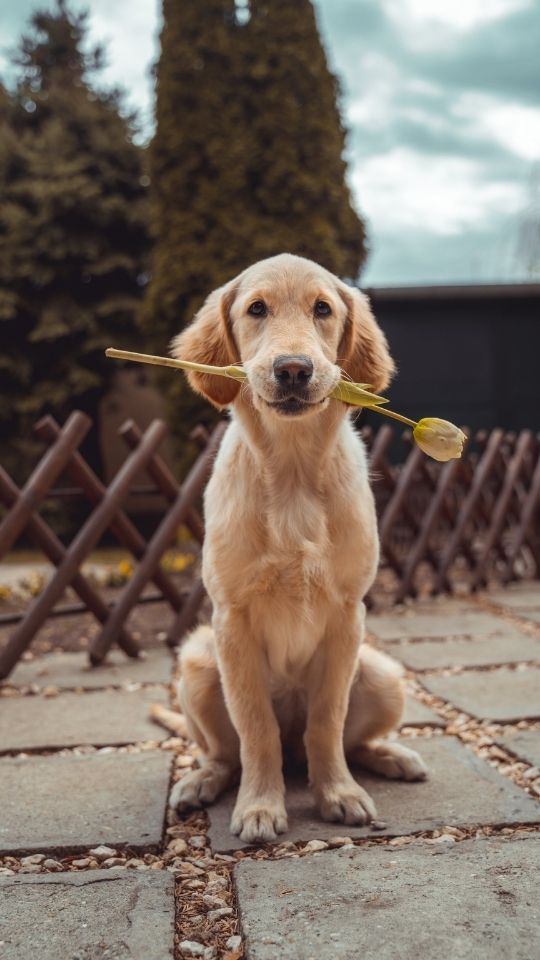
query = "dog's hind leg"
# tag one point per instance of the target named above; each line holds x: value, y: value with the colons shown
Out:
x: 201, y: 698
x: 375, y: 708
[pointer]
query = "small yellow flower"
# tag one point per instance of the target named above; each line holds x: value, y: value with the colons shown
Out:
x: 125, y: 568
x: 118, y: 575
x: 439, y: 438
x: 176, y: 562
x: 33, y: 585
x: 6, y: 592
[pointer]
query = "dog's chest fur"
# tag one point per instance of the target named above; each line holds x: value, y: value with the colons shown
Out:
x: 293, y: 586
x: 295, y: 557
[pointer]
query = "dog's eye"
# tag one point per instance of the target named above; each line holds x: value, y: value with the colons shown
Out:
x: 322, y: 309
x: 257, y: 309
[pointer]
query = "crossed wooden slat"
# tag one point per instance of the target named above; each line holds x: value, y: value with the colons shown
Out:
x: 62, y: 456
x: 484, y: 509
x: 160, y: 541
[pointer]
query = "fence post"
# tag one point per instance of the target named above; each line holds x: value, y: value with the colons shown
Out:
x: 54, y: 550
x: 165, y: 481
x: 397, y: 502
x: 501, y: 507
x: 48, y: 469
x: 121, y: 526
x: 479, y: 478
x: 159, y: 472
x: 527, y: 530
x: 189, y: 490
x: 85, y: 540
x: 446, y: 477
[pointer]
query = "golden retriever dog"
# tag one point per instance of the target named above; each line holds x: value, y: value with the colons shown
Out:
x: 290, y: 551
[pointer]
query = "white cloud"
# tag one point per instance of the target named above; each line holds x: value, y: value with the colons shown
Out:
x: 127, y: 28
x: 435, y: 24
x: 425, y: 209
x: 404, y: 189
x: 512, y: 125
x: 129, y: 31
x: 375, y: 102
x: 458, y: 15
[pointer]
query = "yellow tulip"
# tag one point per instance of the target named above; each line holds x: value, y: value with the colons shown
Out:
x: 439, y: 438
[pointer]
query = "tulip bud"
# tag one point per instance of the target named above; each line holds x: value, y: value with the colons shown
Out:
x: 439, y: 438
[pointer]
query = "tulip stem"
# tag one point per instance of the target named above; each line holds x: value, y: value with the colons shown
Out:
x: 163, y: 361
x: 395, y: 416
x: 235, y: 373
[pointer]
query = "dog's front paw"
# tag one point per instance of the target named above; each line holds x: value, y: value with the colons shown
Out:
x: 260, y: 820
x: 199, y: 787
x: 345, y: 803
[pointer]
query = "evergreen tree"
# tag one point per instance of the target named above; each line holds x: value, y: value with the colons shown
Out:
x: 247, y: 159
x: 14, y: 366
x: 73, y: 235
x: 197, y: 169
x: 197, y: 161
x: 296, y: 171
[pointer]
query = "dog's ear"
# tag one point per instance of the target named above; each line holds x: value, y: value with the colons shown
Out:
x: 209, y: 339
x: 363, y: 351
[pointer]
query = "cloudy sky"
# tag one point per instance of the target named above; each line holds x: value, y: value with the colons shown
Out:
x: 442, y: 100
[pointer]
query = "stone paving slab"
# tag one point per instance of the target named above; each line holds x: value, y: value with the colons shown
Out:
x: 103, y: 717
x: 431, y: 625
x: 533, y: 615
x: 60, y: 804
x: 71, y: 671
x: 444, y: 604
x: 503, y: 695
x: 462, y: 790
x: 416, y: 714
x: 518, y: 596
x: 475, y: 900
x: 490, y: 651
x: 525, y: 745
x: 112, y: 914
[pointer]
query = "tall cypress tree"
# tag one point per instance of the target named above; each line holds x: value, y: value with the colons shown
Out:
x: 73, y: 235
x: 296, y: 170
x: 197, y: 167
x: 247, y: 159
x: 15, y: 366
x: 197, y: 161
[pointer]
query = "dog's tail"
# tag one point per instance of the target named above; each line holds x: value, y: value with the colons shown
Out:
x: 173, y: 721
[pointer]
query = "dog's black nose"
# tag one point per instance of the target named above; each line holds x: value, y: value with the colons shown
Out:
x: 293, y: 370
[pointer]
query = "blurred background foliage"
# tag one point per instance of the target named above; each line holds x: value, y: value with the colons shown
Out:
x: 107, y: 241
x: 73, y: 231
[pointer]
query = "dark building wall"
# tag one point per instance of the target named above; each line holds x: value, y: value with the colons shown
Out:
x: 468, y: 354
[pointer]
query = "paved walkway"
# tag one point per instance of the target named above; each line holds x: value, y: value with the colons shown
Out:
x: 89, y: 868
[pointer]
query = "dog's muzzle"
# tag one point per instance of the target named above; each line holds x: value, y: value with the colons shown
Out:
x: 292, y: 374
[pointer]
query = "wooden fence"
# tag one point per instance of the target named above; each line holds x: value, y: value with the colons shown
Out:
x: 62, y: 457
x: 443, y: 527
x: 461, y: 525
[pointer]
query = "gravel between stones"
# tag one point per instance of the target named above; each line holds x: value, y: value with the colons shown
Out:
x: 207, y: 922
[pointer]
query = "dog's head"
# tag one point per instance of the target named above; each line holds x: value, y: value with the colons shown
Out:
x: 295, y: 328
